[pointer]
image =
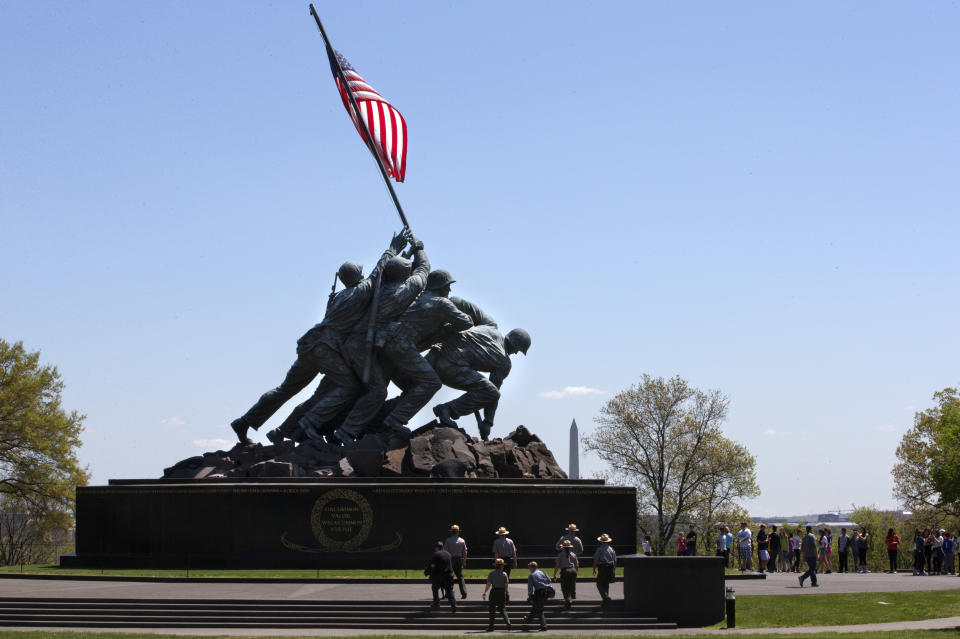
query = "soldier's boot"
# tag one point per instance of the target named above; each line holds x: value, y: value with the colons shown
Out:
x: 275, y: 436
x: 342, y: 437
x: 485, y: 429
x: 396, y: 428
x: 445, y: 415
x: 240, y: 427
x: 311, y: 432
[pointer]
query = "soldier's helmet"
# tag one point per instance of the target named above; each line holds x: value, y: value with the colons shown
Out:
x: 397, y: 269
x: 438, y: 279
x: 350, y: 273
x: 519, y: 339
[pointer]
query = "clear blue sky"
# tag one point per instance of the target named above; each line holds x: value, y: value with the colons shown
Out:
x: 759, y: 197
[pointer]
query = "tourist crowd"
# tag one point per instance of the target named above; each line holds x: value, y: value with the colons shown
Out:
x: 778, y: 549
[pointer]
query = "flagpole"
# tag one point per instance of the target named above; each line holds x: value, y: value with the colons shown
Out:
x: 356, y: 108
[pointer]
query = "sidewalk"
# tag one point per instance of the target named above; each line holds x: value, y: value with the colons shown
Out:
x: 926, y: 624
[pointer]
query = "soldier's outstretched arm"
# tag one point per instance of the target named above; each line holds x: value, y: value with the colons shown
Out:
x: 476, y: 313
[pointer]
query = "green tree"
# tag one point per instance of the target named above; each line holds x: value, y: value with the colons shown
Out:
x: 926, y: 477
x: 664, y: 436
x: 39, y: 469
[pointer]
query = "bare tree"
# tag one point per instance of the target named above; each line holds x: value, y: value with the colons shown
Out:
x: 664, y: 435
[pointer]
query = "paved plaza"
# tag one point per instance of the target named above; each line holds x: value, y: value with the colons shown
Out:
x: 775, y: 584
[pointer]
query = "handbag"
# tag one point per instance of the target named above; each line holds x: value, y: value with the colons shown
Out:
x: 550, y: 592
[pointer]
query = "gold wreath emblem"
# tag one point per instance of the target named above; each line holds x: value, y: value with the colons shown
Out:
x: 317, y: 516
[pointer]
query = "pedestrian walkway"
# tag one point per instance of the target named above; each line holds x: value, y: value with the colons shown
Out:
x: 785, y: 583
x: 947, y: 623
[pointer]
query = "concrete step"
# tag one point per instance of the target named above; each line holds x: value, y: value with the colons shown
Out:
x: 384, y: 615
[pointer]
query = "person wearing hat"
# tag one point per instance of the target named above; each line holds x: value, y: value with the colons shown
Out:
x: 457, y: 547
x: 440, y: 571
x: 567, y: 565
x: 571, y: 536
x: 497, y: 580
x: 504, y: 548
x: 537, y: 594
x: 604, y: 566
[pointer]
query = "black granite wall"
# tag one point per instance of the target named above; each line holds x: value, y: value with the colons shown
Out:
x: 335, y: 524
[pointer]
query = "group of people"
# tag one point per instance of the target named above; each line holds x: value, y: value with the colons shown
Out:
x: 450, y: 555
x: 780, y: 550
x: 934, y: 553
x: 374, y: 332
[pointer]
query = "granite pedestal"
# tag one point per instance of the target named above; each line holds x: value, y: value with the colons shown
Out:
x: 335, y: 522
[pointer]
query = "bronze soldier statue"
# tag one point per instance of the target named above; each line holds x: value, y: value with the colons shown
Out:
x: 422, y: 325
x: 319, y: 350
x: 461, y: 359
x: 402, y: 283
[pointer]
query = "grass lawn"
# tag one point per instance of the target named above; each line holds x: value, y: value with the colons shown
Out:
x: 902, y: 634
x: 780, y: 611
x: 51, y: 569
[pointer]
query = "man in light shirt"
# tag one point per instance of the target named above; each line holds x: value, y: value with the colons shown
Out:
x: 504, y: 548
x: 745, y: 547
x: 457, y: 547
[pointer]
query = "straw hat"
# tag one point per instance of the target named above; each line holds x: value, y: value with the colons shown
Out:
x: 572, y: 528
x: 502, y: 531
x: 455, y: 528
x: 604, y: 538
x: 566, y: 544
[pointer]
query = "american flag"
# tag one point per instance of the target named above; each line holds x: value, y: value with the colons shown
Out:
x: 384, y: 123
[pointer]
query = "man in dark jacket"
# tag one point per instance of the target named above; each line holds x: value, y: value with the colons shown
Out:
x: 440, y: 571
x: 808, y: 547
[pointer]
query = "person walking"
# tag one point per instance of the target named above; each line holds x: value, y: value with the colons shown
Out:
x: 457, y: 547
x: 745, y: 547
x: 440, y: 571
x: 537, y: 594
x: 843, y: 548
x: 570, y: 534
x: 504, y: 548
x: 893, y: 548
x: 567, y: 565
x: 605, y: 567
x: 497, y: 582
x: 808, y: 547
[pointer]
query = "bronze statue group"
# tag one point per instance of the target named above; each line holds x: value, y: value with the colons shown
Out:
x: 399, y: 324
